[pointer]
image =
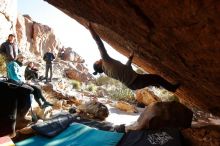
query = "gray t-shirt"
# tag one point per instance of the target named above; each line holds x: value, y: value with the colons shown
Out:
x: 112, y: 67
x: 119, y: 71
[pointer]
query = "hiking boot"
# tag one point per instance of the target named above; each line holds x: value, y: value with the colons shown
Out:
x: 34, y: 117
x: 36, y: 80
x: 72, y: 110
x: 46, y: 104
x: 41, y: 78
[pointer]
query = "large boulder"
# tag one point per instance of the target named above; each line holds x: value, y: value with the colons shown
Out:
x: 124, y: 106
x: 164, y: 115
x: 93, y: 109
x: 70, y: 55
x: 179, y: 40
x: 146, y: 96
x: 24, y: 33
x: 74, y: 74
x: 35, y: 38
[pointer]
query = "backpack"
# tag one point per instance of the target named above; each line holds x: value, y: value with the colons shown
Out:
x: 54, y: 126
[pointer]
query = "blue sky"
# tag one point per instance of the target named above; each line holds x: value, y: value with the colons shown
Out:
x: 70, y: 33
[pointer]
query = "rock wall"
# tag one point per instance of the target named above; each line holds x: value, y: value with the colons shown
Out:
x: 8, y: 15
x: 179, y: 40
x: 34, y: 39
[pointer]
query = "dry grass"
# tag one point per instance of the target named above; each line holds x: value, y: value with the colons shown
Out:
x: 116, y: 90
x: 2, y: 65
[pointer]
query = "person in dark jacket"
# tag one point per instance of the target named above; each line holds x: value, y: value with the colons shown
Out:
x: 125, y: 73
x: 10, y: 48
x: 14, y: 69
x: 48, y: 57
x: 31, y: 72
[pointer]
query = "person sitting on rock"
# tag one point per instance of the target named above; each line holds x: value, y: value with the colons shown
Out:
x: 125, y: 73
x: 31, y: 72
x: 14, y: 70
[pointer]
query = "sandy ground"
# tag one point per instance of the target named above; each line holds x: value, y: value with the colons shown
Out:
x: 118, y: 117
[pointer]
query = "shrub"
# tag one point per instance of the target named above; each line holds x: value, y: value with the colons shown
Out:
x: 2, y: 65
x: 124, y: 94
x: 116, y: 90
x: 165, y: 95
x: 76, y: 84
x: 105, y: 80
x: 91, y: 87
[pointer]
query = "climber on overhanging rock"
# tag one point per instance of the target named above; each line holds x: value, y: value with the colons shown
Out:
x: 125, y: 73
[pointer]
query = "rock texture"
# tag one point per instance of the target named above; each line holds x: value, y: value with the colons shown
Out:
x: 202, y: 136
x: 70, y: 55
x: 178, y: 40
x: 163, y: 115
x: 146, y: 97
x: 8, y: 15
x: 35, y: 38
x: 77, y: 75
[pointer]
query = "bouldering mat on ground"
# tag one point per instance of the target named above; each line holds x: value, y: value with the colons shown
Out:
x: 76, y: 135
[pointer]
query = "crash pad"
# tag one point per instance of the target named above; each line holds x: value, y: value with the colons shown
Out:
x: 76, y: 135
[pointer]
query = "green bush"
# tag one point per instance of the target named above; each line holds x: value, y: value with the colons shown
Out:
x: 105, y: 80
x: 165, y: 95
x: 116, y: 90
x: 76, y: 84
x: 2, y: 65
x: 124, y: 94
x: 91, y: 87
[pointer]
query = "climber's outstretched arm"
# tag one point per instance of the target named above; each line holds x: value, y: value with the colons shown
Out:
x: 99, y: 42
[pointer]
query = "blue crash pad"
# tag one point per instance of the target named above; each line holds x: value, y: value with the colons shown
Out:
x: 76, y: 135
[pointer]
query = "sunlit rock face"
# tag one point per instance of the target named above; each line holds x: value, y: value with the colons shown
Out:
x: 179, y: 40
x: 70, y: 55
x: 35, y: 37
x: 146, y: 97
x: 8, y: 15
